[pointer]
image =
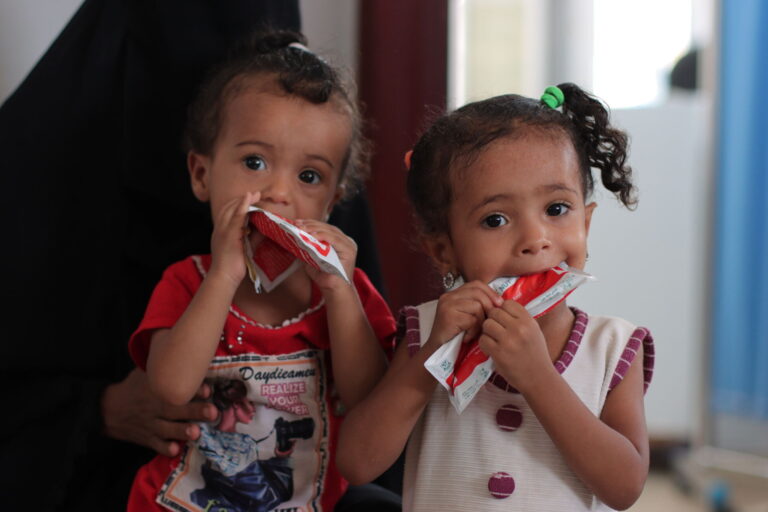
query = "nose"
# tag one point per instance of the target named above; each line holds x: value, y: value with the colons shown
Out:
x: 532, y: 238
x: 277, y: 188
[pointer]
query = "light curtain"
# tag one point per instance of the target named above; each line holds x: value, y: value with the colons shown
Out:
x: 740, y: 312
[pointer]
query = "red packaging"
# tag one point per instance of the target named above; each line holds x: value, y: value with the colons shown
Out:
x: 462, y: 368
x: 282, y: 250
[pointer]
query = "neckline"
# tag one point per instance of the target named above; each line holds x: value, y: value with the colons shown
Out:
x: 566, y: 356
x: 316, y: 302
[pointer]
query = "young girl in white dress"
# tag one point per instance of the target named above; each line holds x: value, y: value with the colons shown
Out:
x: 502, y: 187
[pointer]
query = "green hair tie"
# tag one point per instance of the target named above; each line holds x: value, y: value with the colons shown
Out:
x: 553, y: 97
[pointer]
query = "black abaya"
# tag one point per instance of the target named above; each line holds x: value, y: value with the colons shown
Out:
x: 96, y: 204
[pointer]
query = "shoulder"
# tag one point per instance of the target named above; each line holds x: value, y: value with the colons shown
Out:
x: 414, y: 323
x: 376, y: 309
x: 191, y: 266
x: 419, y: 316
x: 188, y: 272
x: 362, y: 283
x: 369, y: 295
x: 610, y: 328
x: 621, y: 342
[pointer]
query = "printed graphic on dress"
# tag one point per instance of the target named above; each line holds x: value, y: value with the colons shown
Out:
x: 267, y: 451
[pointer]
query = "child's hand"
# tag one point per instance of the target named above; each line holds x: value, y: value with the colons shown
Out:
x: 345, y: 248
x: 228, y: 238
x: 463, y: 309
x: 513, y: 339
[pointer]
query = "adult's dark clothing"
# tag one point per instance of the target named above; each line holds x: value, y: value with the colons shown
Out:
x: 96, y: 204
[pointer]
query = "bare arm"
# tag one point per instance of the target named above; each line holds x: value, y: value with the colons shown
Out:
x: 609, y: 454
x: 358, y: 359
x: 179, y: 357
x: 370, y: 442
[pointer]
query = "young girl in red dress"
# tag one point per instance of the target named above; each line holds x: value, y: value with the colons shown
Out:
x: 275, y: 127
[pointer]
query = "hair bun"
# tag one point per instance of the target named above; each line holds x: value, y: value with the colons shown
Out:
x: 269, y: 41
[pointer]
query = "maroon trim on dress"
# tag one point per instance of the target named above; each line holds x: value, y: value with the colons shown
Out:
x: 566, y: 356
x: 641, y: 336
x: 408, y: 328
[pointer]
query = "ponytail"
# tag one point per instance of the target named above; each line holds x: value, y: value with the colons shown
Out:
x: 603, y: 146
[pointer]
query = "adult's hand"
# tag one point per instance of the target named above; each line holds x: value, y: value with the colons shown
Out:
x: 131, y: 412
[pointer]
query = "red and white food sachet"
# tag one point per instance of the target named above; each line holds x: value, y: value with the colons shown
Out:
x: 462, y: 368
x: 282, y: 250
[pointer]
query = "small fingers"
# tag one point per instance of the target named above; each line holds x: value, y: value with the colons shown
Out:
x: 467, y: 307
x: 250, y: 198
x: 228, y: 210
x: 314, y: 225
x: 493, y: 329
x: 515, y: 309
x: 487, y: 345
x: 234, y: 213
x: 327, y: 233
x: 238, y: 216
x: 477, y: 294
x: 466, y: 315
x: 489, y: 298
x: 472, y: 317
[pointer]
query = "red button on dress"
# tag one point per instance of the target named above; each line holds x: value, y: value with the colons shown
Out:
x: 501, y: 485
x: 509, y: 417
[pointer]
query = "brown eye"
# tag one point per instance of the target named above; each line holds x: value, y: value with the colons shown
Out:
x: 494, y: 221
x: 557, y: 209
x: 309, y: 176
x: 255, y: 163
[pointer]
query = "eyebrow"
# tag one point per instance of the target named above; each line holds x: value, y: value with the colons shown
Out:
x: 271, y: 146
x: 544, y: 189
x: 254, y: 143
x: 322, y: 159
x: 490, y: 199
x: 556, y: 187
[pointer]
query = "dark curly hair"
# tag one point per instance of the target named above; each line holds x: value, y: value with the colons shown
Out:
x: 455, y: 139
x: 297, y: 72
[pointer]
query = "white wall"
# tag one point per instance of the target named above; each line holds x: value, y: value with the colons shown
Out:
x: 27, y: 28
x: 651, y: 263
x: 331, y: 29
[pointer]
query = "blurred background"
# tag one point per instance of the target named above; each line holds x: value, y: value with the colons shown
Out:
x: 686, y: 80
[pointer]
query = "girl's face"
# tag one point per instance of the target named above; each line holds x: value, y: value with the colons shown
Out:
x: 517, y: 209
x: 286, y: 148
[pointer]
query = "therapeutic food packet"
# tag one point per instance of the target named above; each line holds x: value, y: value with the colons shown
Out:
x: 462, y: 368
x: 282, y: 250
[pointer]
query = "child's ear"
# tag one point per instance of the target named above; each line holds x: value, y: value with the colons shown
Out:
x: 199, y: 167
x: 588, y: 209
x: 336, y: 198
x: 440, y: 249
